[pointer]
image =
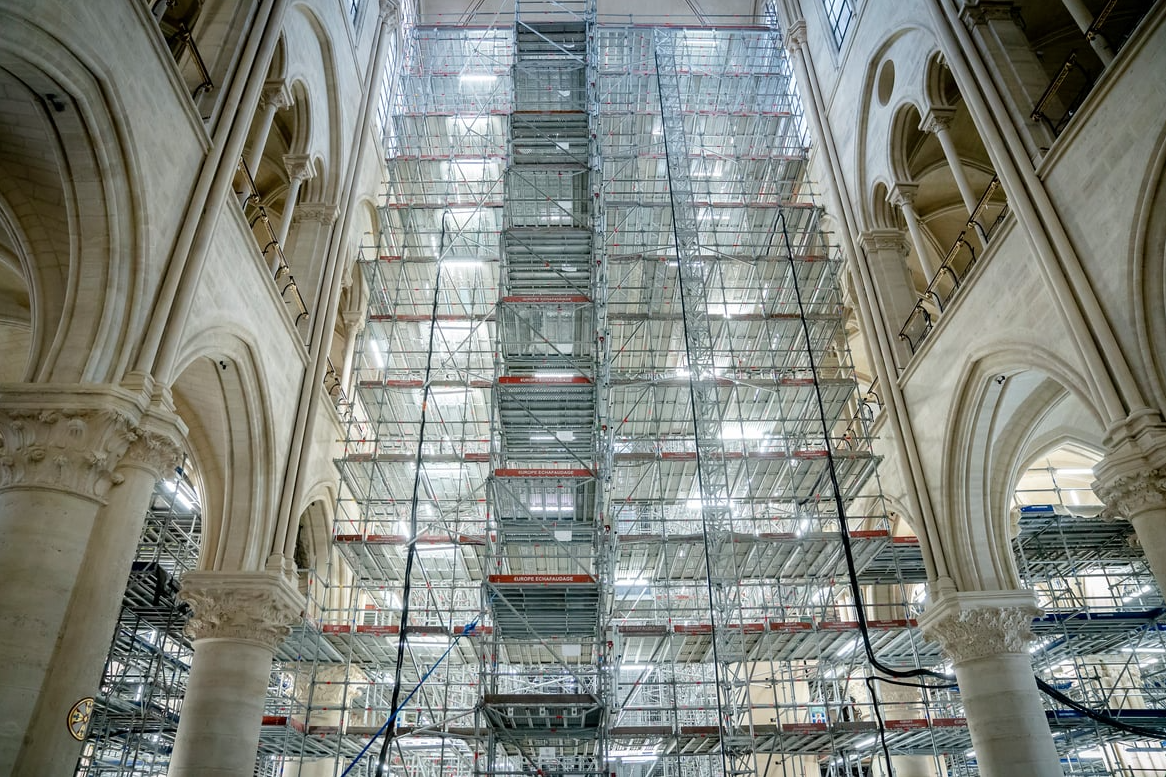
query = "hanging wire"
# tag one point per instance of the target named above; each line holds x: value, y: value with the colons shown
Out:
x: 414, y: 502
x: 946, y: 681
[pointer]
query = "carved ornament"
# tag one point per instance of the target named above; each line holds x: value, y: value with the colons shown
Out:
x: 256, y: 607
x: 971, y: 633
x: 73, y: 450
x: 795, y: 36
x: 316, y: 211
x: 1129, y: 495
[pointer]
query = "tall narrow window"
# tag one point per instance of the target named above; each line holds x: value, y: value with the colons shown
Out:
x: 839, y: 13
x: 354, y: 10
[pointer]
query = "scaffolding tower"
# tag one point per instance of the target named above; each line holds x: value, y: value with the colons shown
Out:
x: 604, y: 424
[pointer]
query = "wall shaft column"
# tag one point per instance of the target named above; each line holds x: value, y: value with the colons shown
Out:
x: 903, y: 197
x: 1020, y: 76
x: 239, y: 619
x: 886, y: 250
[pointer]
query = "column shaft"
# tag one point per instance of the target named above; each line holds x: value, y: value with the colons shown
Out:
x: 89, y: 622
x: 223, y: 710
x: 255, y: 153
x: 943, y: 133
x: 986, y: 635
x: 289, y: 207
x: 63, y: 555
x: 1009, y: 730
x: 1084, y: 20
x: 1133, y: 488
x: 43, y: 536
x: 238, y: 620
x: 928, y: 265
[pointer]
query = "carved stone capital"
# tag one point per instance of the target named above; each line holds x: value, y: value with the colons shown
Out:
x: 970, y: 626
x: 157, y: 444
x: 65, y: 449
x: 902, y: 195
x: 321, y: 212
x: 1131, y: 479
x: 795, y: 36
x: 255, y: 607
x: 330, y: 686
x: 977, y: 12
x: 937, y: 120
x: 877, y: 240
x: 353, y: 321
x: 275, y: 94
x: 299, y: 167
x: 1130, y: 495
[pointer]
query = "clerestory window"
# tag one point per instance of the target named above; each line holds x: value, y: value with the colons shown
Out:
x: 839, y: 13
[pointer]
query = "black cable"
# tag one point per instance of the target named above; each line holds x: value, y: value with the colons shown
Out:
x: 852, y: 573
x: 843, y: 530
x: 383, y: 757
x: 1099, y: 717
x: 722, y: 717
x: 882, y: 727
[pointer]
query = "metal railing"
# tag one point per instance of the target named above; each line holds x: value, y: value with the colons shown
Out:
x: 289, y: 291
x: 953, y: 271
x: 1046, y: 109
x: 206, y: 84
x: 868, y: 406
x: 1057, y: 120
x: 1099, y: 20
x: 179, y: 39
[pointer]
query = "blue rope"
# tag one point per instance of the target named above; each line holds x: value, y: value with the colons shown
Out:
x: 466, y: 631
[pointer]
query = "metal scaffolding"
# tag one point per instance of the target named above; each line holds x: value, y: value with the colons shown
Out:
x: 603, y: 408
x: 135, y: 714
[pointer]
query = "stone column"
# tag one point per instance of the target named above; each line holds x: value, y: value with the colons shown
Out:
x: 900, y: 702
x: 1140, y: 498
x: 902, y: 196
x: 1131, y: 481
x: 353, y: 326
x: 299, y: 169
x: 59, y: 456
x: 275, y: 97
x: 886, y: 251
x: 326, y: 698
x: 997, y: 31
x: 986, y: 635
x: 1084, y: 20
x: 92, y: 613
x: 938, y: 123
x: 239, y: 619
x: 307, y: 249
